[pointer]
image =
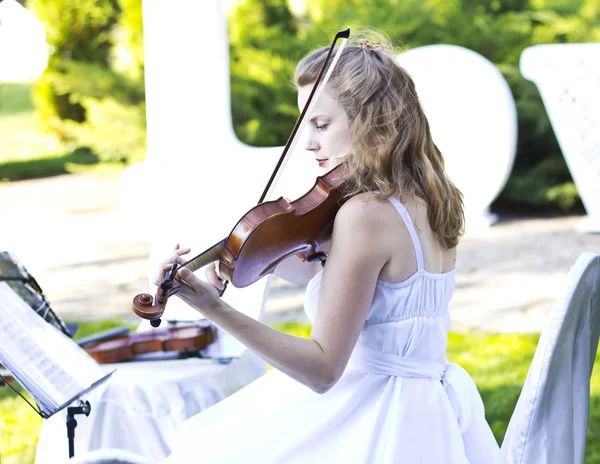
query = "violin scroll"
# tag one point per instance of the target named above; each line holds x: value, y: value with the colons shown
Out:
x: 143, y: 306
x: 152, y: 309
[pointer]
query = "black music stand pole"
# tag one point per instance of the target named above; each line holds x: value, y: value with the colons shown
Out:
x: 82, y: 408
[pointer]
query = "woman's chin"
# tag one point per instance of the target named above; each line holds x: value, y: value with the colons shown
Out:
x: 333, y: 163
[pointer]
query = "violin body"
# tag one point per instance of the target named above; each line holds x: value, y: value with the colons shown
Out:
x: 275, y: 230
x: 186, y: 338
x: 266, y: 235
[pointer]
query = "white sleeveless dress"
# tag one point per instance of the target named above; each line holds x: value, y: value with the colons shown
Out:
x: 398, y: 401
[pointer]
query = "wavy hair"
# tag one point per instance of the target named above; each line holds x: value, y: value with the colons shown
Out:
x: 393, y: 148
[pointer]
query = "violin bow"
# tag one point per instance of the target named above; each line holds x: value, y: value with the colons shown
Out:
x: 315, y: 93
x: 313, y: 97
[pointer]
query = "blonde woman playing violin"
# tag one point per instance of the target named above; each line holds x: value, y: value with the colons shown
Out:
x: 372, y: 383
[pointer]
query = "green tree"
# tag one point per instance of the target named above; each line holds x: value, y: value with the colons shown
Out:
x: 75, y: 30
x: 92, y: 92
x: 264, y: 48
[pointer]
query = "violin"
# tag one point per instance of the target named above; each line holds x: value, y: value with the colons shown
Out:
x: 271, y: 231
x: 186, y: 339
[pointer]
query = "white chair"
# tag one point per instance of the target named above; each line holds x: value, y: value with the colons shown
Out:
x: 550, y: 420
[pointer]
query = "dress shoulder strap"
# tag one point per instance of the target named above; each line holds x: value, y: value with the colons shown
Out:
x: 411, y: 230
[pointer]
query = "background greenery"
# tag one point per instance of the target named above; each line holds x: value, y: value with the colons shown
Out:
x: 497, y: 363
x: 90, y: 111
x: 91, y: 97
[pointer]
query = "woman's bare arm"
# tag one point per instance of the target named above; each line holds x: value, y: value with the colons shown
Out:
x: 349, y: 280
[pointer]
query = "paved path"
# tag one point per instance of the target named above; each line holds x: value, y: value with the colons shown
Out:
x: 66, y: 230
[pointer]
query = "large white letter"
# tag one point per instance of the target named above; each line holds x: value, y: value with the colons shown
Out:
x: 473, y: 121
x: 23, y: 47
x: 198, y: 179
x: 568, y: 78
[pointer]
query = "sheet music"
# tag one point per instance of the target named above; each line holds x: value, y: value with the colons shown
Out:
x: 50, y: 366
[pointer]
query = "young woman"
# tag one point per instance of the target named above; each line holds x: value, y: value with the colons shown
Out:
x: 372, y: 383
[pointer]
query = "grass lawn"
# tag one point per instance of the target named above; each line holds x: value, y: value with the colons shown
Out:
x: 498, y: 364
x: 21, y: 139
x: 26, y: 152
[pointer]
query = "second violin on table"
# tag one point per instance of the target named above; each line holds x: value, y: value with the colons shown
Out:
x: 183, y: 340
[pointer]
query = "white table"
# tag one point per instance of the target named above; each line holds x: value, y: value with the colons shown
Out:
x: 143, y: 403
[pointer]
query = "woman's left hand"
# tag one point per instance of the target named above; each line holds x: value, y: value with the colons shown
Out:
x: 195, y: 292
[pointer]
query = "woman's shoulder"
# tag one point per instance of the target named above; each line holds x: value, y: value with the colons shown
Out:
x: 361, y: 226
x: 364, y: 211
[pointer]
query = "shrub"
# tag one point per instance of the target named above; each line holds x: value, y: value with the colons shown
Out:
x: 80, y: 96
x: 263, y: 99
x: 128, y: 49
x: 75, y: 30
x: 113, y: 110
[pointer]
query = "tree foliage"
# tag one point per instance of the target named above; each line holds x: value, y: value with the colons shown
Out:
x: 77, y: 29
x: 92, y: 92
x: 497, y: 29
x: 263, y: 97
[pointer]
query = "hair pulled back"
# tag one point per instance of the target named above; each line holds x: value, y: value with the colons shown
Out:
x: 393, y: 148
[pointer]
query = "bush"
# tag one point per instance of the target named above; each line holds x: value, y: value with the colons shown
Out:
x: 116, y: 132
x: 80, y: 96
x: 112, y: 110
x: 75, y: 30
x: 128, y: 49
x: 263, y: 100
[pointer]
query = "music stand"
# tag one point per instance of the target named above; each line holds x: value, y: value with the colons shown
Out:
x: 28, y: 291
x: 82, y: 408
x: 24, y: 284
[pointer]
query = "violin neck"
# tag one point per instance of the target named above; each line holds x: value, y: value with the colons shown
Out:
x: 214, y: 253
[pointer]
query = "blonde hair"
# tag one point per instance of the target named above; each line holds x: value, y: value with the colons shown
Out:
x: 393, y: 148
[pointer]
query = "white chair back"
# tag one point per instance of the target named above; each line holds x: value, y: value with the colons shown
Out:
x: 550, y: 420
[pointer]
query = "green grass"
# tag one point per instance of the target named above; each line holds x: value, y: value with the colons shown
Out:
x: 26, y: 152
x: 21, y: 137
x: 497, y: 363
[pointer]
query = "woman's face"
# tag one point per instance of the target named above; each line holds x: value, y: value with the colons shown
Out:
x: 328, y: 132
